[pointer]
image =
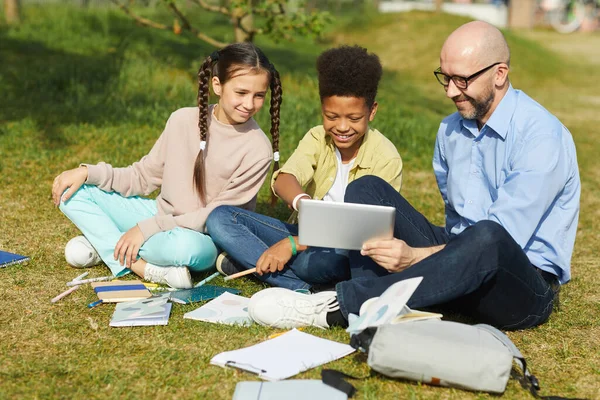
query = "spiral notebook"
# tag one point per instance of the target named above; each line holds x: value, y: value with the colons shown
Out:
x: 7, y: 259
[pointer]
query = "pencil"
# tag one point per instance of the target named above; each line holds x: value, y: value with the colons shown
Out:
x: 203, y: 281
x: 247, y: 272
x: 102, y: 278
x: 65, y: 294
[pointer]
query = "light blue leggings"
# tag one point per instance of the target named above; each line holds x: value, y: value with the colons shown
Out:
x: 104, y: 217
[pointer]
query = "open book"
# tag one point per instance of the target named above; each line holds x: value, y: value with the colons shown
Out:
x: 391, y: 307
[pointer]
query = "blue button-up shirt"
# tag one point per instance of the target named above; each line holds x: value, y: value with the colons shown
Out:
x: 519, y: 170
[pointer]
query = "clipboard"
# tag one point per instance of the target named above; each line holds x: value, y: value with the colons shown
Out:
x: 284, y: 356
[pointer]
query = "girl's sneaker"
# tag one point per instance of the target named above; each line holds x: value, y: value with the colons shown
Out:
x: 176, y: 277
x: 80, y: 253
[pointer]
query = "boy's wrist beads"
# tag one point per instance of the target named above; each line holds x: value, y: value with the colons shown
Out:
x: 295, y: 201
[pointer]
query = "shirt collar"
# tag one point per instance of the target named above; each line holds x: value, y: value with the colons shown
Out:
x: 499, y: 121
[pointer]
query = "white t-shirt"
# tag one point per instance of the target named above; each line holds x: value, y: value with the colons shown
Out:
x: 338, y: 189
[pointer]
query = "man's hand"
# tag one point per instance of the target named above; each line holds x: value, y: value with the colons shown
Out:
x: 395, y: 255
x: 275, y: 257
x: 72, y: 180
x: 128, y: 246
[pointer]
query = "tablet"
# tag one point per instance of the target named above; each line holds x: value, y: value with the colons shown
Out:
x: 343, y: 225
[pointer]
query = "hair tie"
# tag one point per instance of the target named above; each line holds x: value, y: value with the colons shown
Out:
x: 214, y: 56
x: 276, y: 156
x: 203, y: 145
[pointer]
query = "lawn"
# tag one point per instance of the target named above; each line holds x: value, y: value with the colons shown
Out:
x: 87, y: 86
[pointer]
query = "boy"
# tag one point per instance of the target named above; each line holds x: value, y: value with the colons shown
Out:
x: 327, y: 159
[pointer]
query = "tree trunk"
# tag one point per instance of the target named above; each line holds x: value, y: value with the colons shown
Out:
x: 12, y: 12
x: 243, y: 28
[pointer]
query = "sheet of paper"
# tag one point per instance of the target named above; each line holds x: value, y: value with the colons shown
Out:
x: 284, y: 356
x: 387, y: 306
x: 228, y: 309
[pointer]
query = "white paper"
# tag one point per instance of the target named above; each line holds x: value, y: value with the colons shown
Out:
x: 284, y: 356
x: 228, y: 309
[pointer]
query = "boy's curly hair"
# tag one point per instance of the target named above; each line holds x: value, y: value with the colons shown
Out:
x: 349, y: 71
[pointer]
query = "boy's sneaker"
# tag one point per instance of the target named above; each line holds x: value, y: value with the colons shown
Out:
x: 175, y: 277
x: 80, y: 253
x: 227, y: 265
x: 284, y: 308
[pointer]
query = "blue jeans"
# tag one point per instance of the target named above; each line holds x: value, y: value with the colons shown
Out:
x: 246, y: 235
x: 104, y: 217
x: 481, y: 272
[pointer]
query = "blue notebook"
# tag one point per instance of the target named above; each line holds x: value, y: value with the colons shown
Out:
x: 7, y: 259
x: 200, y: 293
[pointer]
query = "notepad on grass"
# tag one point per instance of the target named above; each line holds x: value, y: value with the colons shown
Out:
x: 7, y: 259
x: 294, y: 389
x: 284, y: 356
x: 118, y: 291
x: 152, y: 311
x: 200, y: 293
x: 226, y: 309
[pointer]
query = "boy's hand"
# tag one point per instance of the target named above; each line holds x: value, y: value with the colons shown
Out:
x: 275, y: 257
x: 72, y: 180
x: 128, y: 246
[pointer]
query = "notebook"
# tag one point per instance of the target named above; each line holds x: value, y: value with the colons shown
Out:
x: 284, y: 356
x: 200, y: 293
x: 152, y: 311
x: 343, y: 225
x: 226, y: 309
x: 7, y: 259
x: 294, y: 389
x: 118, y: 291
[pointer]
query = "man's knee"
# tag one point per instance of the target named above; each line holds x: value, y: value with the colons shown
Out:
x: 486, y: 233
x: 356, y: 190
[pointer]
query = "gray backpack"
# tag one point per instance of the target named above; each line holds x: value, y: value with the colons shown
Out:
x: 442, y: 353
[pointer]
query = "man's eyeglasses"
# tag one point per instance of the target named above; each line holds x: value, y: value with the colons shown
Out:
x: 461, y: 82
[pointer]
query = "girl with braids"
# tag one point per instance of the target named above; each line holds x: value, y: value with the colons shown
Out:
x: 328, y: 158
x: 206, y: 156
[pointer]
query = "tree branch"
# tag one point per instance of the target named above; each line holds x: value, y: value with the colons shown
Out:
x: 186, y: 25
x: 149, y: 23
x: 210, y: 7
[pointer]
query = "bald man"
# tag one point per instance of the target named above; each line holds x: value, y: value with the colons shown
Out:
x: 507, y: 172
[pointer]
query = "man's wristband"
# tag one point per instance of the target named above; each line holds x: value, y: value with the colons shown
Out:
x: 293, y: 242
x: 295, y: 201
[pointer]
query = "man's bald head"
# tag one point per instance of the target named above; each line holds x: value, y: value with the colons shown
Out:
x: 478, y: 42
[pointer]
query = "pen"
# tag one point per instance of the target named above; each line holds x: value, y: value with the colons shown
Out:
x: 203, y: 281
x: 80, y: 277
x: 102, y: 278
x: 64, y: 294
x: 273, y: 336
x: 94, y: 304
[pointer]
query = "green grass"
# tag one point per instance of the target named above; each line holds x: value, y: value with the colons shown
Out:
x: 85, y: 86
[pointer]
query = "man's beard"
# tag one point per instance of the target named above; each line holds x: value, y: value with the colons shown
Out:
x: 479, y: 108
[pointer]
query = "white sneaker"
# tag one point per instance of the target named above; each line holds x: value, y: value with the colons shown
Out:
x: 176, y: 277
x: 80, y: 253
x: 284, y: 308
